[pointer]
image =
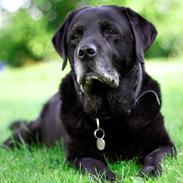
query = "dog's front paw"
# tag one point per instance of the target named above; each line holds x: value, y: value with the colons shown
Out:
x: 111, y: 176
x: 96, y: 169
x: 151, y: 171
x: 104, y: 177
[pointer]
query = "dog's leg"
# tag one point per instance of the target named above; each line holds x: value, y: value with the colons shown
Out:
x: 152, y: 162
x: 94, y: 167
x: 27, y: 134
x: 45, y: 129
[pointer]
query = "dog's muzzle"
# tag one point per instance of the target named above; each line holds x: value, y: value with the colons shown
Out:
x: 94, y: 71
x: 98, y: 83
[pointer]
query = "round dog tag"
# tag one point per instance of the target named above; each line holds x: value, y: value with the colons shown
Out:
x: 100, y: 144
x: 99, y: 135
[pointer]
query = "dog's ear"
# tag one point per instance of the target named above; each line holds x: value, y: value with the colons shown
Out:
x: 144, y: 32
x: 59, y: 39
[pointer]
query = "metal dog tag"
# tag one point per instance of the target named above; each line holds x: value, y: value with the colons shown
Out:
x: 100, y: 144
x: 99, y: 135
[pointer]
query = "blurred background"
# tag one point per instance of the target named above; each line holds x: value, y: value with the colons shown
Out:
x: 26, y: 27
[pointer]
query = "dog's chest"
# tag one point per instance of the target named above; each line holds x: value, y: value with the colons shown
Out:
x: 119, y: 141
x: 119, y: 138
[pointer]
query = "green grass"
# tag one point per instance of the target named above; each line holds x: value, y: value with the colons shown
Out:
x: 22, y: 93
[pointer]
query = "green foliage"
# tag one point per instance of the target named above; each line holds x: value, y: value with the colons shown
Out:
x: 24, y: 40
x: 166, y: 15
x: 55, y: 11
x: 27, y: 37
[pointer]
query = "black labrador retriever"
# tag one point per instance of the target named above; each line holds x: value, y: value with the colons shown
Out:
x: 107, y: 106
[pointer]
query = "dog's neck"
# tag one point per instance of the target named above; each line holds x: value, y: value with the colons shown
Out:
x: 129, y: 90
x: 118, y: 101
x: 138, y: 82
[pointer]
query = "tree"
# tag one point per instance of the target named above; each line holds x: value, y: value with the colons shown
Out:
x: 27, y: 36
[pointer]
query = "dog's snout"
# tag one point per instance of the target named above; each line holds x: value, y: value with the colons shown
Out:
x: 86, y: 52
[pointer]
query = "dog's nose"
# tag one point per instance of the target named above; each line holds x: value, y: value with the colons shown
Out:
x: 86, y: 52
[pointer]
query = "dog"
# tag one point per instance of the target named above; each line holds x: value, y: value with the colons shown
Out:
x: 107, y: 106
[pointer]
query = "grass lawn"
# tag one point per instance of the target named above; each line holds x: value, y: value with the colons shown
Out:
x: 22, y: 93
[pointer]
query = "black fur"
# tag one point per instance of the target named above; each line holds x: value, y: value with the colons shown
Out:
x: 105, y: 47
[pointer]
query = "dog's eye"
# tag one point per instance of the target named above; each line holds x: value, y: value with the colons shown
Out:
x: 107, y: 29
x: 75, y: 38
x: 76, y: 34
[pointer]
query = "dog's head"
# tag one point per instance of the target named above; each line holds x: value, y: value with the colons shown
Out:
x: 103, y: 45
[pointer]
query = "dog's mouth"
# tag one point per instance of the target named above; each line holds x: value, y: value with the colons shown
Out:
x: 98, y: 84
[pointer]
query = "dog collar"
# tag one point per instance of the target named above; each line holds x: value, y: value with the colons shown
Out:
x: 138, y: 96
x: 148, y: 91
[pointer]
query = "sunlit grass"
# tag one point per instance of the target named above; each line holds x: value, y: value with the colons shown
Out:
x: 22, y: 93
